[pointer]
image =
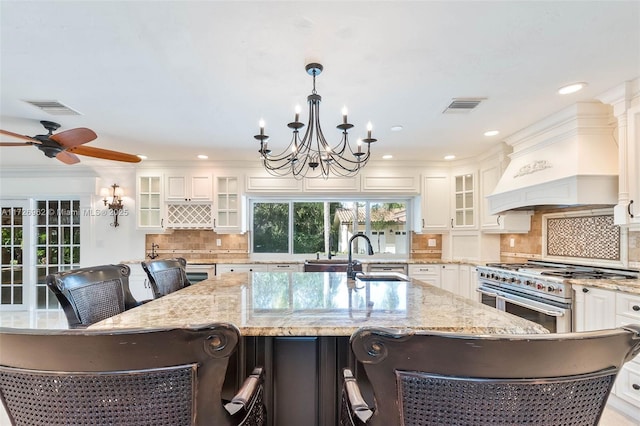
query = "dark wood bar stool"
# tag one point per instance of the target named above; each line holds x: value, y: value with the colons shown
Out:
x: 429, y: 378
x: 91, y: 294
x: 166, y: 275
x: 134, y: 377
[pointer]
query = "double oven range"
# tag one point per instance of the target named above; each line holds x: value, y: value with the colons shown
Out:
x: 538, y: 291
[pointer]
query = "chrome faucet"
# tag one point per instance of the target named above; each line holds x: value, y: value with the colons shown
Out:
x: 350, y: 272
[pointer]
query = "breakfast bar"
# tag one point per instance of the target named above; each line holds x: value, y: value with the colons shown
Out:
x: 297, y: 325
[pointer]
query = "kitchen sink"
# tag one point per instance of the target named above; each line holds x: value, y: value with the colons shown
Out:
x: 382, y: 276
x: 330, y: 265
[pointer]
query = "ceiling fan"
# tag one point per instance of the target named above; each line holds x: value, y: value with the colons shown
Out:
x: 65, y: 145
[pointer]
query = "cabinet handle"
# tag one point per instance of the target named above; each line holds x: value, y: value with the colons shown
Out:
x: 162, y: 223
x: 498, y: 220
x: 423, y: 222
x: 635, y: 386
x: 629, y: 209
x: 635, y: 308
x: 585, y: 290
x: 452, y: 222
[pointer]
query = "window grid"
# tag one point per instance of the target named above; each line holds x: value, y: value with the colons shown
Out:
x: 12, y: 284
x: 57, y: 245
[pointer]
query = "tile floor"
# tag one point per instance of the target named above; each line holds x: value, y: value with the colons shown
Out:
x: 57, y: 320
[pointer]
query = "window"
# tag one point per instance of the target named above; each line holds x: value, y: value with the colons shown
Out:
x: 309, y: 226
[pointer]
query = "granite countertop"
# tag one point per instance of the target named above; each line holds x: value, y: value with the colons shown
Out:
x: 317, y: 304
x: 626, y: 286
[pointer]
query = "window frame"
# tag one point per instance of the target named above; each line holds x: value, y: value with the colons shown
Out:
x: 368, y: 200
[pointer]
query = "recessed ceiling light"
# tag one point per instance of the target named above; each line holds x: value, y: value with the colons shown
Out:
x: 396, y: 128
x: 142, y: 157
x: 491, y: 132
x: 203, y: 157
x: 387, y: 157
x: 449, y: 157
x: 571, y: 88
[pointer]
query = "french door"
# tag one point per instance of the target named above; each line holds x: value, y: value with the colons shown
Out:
x: 39, y: 237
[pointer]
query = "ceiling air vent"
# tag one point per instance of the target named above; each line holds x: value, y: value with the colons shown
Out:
x: 53, y: 107
x: 458, y: 105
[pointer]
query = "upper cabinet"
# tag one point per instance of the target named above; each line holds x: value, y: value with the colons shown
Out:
x: 228, y: 207
x: 181, y: 186
x: 149, y: 202
x: 625, y: 100
x: 508, y: 222
x: 464, y: 201
x: 435, y: 203
x: 631, y: 212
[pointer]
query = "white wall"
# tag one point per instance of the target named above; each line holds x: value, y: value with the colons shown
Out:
x: 100, y: 242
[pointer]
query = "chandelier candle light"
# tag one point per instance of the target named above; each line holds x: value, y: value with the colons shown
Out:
x: 312, y: 156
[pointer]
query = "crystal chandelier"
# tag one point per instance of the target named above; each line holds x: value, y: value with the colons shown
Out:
x: 312, y: 156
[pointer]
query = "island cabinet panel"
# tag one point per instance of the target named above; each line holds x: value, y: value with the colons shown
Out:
x: 308, y: 371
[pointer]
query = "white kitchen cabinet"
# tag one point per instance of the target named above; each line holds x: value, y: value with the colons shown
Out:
x: 627, y: 386
x: 509, y: 222
x: 625, y: 100
x: 435, y: 204
x: 464, y: 209
x: 149, y: 202
x: 228, y: 217
x: 468, y: 282
x: 181, y: 186
x: 222, y: 268
x: 450, y: 279
x: 426, y: 273
x: 139, y: 283
x: 594, y: 308
x: 632, y: 155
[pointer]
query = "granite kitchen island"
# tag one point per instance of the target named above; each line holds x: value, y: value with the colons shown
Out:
x: 297, y: 325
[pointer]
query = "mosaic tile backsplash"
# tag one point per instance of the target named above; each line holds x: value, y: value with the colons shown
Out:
x: 587, y: 237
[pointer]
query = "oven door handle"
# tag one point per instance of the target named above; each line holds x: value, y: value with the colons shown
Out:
x: 488, y: 293
x: 534, y: 307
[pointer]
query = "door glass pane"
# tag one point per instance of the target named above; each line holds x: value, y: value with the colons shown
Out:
x: 11, y: 255
x: 57, y: 245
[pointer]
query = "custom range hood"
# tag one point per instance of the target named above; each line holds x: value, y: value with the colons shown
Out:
x: 567, y: 159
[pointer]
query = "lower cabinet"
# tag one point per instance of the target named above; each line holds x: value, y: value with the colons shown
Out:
x: 222, y: 268
x: 139, y: 283
x: 596, y: 308
x: 460, y: 279
x: 427, y: 273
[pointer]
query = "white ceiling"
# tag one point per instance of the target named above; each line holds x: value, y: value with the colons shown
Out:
x: 173, y: 79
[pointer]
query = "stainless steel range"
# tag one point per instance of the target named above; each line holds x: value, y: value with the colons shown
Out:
x: 538, y: 291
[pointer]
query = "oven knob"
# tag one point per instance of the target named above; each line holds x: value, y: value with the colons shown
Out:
x: 528, y: 283
x: 539, y: 286
x: 551, y: 289
x: 512, y: 280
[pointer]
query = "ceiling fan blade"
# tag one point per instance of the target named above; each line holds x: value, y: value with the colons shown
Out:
x: 67, y: 157
x: 15, y: 135
x: 74, y: 137
x: 106, y: 154
x: 17, y: 143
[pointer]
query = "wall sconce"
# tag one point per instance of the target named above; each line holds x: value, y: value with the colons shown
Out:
x: 115, y: 203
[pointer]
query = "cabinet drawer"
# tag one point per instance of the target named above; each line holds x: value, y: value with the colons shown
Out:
x: 430, y: 269
x: 628, y: 383
x: 628, y: 305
